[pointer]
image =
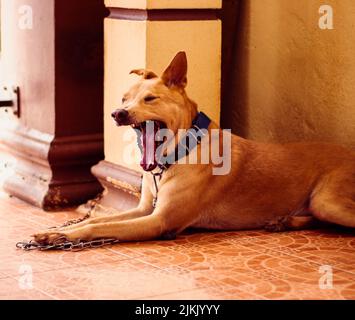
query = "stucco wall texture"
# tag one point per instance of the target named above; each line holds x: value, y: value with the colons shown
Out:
x: 292, y: 80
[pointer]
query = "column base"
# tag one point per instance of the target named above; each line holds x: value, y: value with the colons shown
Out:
x: 122, y: 187
x: 52, y: 173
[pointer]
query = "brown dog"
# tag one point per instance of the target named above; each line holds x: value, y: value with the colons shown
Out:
x: 273, y: 186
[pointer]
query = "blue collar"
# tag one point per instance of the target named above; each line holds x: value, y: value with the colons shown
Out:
x: 192, y: 138
x: 201, y: 121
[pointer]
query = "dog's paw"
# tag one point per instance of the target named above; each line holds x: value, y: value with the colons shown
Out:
x: 50, y: 237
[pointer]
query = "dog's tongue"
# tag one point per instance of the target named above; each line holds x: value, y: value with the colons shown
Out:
x: 148, y: 162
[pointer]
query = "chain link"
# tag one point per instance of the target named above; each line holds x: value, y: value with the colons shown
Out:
x: 66, y: 245
x: 71, y: 222
x: 62, y: 243
x: 155, y: 177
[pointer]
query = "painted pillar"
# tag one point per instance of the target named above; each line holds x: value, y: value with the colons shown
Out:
x: 57, y: 62
x: 147, y: 34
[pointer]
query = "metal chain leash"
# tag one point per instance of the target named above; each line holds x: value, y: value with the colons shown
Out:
x: 92, y: 203
x: 62, y: 244
x: 73, y: 246
x: 156, y: 178
x: 71, y: 222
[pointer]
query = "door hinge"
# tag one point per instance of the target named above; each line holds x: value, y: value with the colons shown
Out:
x: 10, y: 98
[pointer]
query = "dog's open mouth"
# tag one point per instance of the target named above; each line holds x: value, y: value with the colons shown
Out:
x: 147, y: 133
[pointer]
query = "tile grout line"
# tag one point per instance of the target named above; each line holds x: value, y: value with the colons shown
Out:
x: 187, y: 278
x: 302, y: 258
x: 245, y: 283
x: 68, y: 267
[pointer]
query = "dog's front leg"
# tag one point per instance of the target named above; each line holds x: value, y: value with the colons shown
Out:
x: 127, y: 215
x: 159, y: 223
x: 139, y: 229
x: 144, y: 208
x: 172, y: 215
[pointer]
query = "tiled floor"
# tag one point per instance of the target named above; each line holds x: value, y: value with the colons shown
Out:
x: 229, y: 265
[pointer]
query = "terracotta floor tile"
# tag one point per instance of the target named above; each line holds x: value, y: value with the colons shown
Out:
x: 120, y: 280
x: 11, y: 290
x: 55, y: 260
x: 197, y: 265
x: 3, y: 275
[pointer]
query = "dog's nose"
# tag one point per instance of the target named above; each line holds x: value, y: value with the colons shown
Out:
x: 120, y: 114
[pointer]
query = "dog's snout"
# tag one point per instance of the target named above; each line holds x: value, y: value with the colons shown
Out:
x: 120, y: 114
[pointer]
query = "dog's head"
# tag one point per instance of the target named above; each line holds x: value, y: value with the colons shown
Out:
x: 161, y: 100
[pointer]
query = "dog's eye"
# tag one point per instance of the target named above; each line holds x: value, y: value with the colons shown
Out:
x: 150, y: 98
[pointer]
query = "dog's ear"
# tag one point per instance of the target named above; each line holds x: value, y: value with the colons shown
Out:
x: 176, y: 73
x: 146, y: 74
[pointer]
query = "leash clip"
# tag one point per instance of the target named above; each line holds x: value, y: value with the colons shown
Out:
x: 155, y: 176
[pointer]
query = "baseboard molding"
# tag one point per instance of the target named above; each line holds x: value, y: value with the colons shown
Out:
x: 122, y: 186
x: 50, y: 172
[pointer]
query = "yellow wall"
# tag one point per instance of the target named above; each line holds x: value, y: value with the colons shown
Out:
x: 119, y: 61
x: 203, y: 53
x: 296, y: 81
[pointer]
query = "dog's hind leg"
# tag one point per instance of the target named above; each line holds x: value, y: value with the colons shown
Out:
x: 334, y: 200
x: 291, y: 222
x: 334, y: 209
